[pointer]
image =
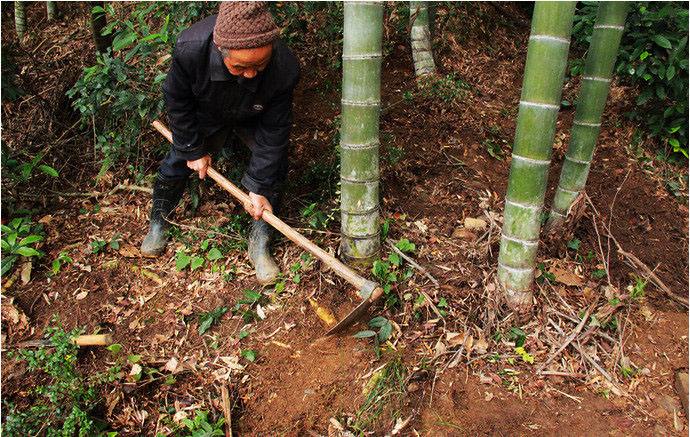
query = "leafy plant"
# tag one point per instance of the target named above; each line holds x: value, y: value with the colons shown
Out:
x: 200, y: 426
x: 65, y: 405
x: 119, y: 95
x: 23, y: 171
x: 210, y: 318
x: 246, y: 305
x: 385, y: 391
x: 249, y: 354
x: 637, y: 290
x: 62, y: 259
x: 316, y: 218
x: 449, y: 88
x: 522, y: 353
x: 493, y: 149
x: 516, y: 335
x: 381, y: 330
x: 19, y: 238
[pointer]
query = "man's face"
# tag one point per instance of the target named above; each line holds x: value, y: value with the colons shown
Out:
x: 248, y: 62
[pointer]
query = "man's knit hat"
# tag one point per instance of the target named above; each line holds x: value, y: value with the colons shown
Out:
x: 244, y: 25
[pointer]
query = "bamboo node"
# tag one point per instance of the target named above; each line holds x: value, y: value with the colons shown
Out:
x: 520, y: 240
x: 597, y: 78
x: 523, y: 205
x: 584, y: 123
x: 362, y: 146
x: 360, y: 102
x: 532, y: 160
x: 361, y: 212
x: 549, y: 38
x: 519, y: 270
x: 609, y: 26
x: 362, y: 56
x: 577, y: 161
x: 540, y: 105
x: 567, y: 191
x: 359, y: 181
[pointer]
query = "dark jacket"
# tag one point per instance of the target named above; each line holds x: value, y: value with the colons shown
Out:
x: 202, y: 97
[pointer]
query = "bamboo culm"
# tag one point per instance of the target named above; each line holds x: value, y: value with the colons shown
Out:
x: 51, y: 9
x: 20, y: 18
x: 547, y: 56
x: 603, y: 49
x: 98, y: 23
x: 359, y: 133
x: 420, y: 39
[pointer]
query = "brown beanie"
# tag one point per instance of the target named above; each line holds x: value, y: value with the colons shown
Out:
x: 244, y: 25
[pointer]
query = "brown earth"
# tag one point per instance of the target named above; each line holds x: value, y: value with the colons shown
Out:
x: 299, y: 381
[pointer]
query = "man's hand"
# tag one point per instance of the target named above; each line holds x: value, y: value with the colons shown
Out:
x: 200, y: 165
x: 258, y: 206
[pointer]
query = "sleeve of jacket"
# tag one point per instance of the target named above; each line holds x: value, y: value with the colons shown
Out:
x: 268, y: 164
x: 181, y: 106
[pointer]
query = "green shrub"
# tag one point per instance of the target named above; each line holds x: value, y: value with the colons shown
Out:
x: 19, y: 238
x: 654, y: 56
x: 121, y: 95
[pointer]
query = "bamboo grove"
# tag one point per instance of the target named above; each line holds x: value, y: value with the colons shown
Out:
x: 547, y: 55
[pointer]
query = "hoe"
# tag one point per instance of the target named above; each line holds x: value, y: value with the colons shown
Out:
x: 369, y: 291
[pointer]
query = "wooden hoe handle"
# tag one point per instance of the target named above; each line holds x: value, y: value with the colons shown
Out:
x: 332, y: 262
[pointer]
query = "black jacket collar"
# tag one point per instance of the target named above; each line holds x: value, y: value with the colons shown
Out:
x: 220, y: 73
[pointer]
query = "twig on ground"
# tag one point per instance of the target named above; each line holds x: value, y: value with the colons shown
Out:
x: 574, y: 398
x: 608, y: 227
x: 590, y: 360
x: 130, y: 187
x: 567, y: 341
x: 562, y: 374
x: 636, y: 262
x: 227, y: 409
x: 412, y: 262
x: 651, y: 275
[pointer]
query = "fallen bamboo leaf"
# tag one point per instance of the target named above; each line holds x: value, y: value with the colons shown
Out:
x: 26, y: 272
x: 147, y: 274
x: 81, y: 295
x: 566, y: 277
x: 128, y: 251
x: 10, y: 281
x: 325, y: 314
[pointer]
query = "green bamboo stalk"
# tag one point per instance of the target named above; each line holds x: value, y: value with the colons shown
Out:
x: 98, y: 22
x: 20, y: 18
x: 420, y: 38
x: 51, y: 9
x: 603, y: 49
x: 547, y: 55
x: 359, y: 132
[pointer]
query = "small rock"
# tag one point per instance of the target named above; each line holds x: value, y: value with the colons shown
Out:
x: 464, y: 234
x: 682, y: 390
x: 474, y: 223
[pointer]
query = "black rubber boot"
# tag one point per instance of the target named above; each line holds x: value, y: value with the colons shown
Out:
x: 166, y: 195
x: 259, y: 249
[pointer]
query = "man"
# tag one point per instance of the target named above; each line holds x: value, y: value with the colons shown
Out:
x: 230, y: 76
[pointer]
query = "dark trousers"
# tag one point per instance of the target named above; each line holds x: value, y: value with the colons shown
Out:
x: 173, y: 167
